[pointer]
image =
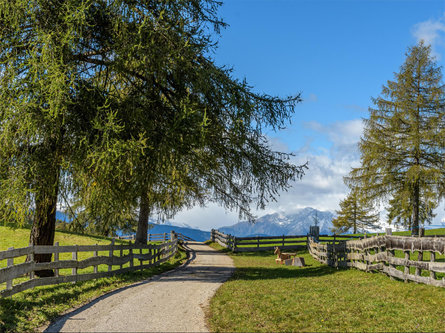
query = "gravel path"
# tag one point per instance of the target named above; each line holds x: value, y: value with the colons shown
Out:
x: 171, y: 302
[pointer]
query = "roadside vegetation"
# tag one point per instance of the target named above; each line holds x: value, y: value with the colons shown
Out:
x: 263, y: 296
x: 31, y: 309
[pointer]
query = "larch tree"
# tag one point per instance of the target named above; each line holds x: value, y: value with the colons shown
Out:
x: 355, y: 214
x: 218, y: 152
x: 69, y: 72
x: 402, y: 149
x: 117, y: 100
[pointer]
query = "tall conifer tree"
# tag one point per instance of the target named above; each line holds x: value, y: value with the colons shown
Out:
x: 356, y: 214
x: 403, y: 144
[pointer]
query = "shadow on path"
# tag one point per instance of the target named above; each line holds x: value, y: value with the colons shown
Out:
x: 60, y: 321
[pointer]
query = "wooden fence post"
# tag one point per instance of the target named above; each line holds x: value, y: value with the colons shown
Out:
x: 433, y: 259
x: 56, y: 259
x: 31, y: 259
x: 420, y: 255
x: 9, y: 263
x: 131, y: 256
x: 95, y: 255
x: 121, y: 255
x: 74, y: 257
x: 419, y: 258
x: 165, y: 236
x: 283, y: 240
x: 149, y: 237
x: 212, y: 235
x: 390, y: 253
x: 406, y: 269
x: 258, y: 241
x: 110, y: 254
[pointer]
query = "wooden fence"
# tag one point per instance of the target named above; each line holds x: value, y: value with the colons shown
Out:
x: 163, y: 237
x: 405, y: 258
x: 267, y: 243
x: 148, y: 256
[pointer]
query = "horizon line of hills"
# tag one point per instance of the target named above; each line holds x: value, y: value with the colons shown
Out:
x: 297, y: 223
x: 275, y: 224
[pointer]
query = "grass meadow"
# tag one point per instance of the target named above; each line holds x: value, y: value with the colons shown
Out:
x: 263, y: 296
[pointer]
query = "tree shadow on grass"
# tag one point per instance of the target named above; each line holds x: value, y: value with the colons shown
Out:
x: 299, y: 252
x: 268, y: 273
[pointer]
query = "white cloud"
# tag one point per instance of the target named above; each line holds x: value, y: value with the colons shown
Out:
x: 339, y: 132
x: 432, y: 32
x: 322, y: 186
x: 206, y: 218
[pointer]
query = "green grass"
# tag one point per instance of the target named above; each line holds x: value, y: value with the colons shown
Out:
x: 263, y: 296
x: 31, y: 309
x: 278, y: 241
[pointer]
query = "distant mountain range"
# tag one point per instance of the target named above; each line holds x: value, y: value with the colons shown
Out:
x: 196, y: 234
x: 283, y: 224
x: 166, y: 226
x: 275, y: 224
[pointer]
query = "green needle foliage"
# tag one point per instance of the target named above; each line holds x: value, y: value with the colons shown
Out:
x: 75, y: 76
x: 356, y: 214
x: 205, y: 143
x: 403, y: 150
x: 116, y: 105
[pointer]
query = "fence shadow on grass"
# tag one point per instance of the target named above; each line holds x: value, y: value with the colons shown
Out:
x: 269, y: 273
x: 300, y: 253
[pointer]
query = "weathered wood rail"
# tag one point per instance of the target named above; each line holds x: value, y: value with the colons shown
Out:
x: 162, y: 237
x: 405, y: 258
x: 267, y: 243
x: 145, y: 255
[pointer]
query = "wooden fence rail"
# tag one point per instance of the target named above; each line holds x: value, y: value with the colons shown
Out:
x: 266, y: 243
x: 404, y: 258
x: 159, y: 237
x: 154, y: 255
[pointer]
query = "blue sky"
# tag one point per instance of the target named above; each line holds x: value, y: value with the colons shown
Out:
x: 337, y: 54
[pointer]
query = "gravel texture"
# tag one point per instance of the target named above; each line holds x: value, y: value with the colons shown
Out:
x: 170, y: 302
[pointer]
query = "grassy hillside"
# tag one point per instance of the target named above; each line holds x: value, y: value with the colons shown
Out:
x: 29, y: 310
x: 20, y: 237
x: 263, y: 296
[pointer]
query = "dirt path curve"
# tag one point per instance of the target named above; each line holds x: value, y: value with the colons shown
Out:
x: 170, y: 302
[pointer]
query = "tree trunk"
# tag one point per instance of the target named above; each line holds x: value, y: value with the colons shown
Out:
x: 416, y: 204
x: 144, y: 213
x: 355, y: 216
x: 44, y: 224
